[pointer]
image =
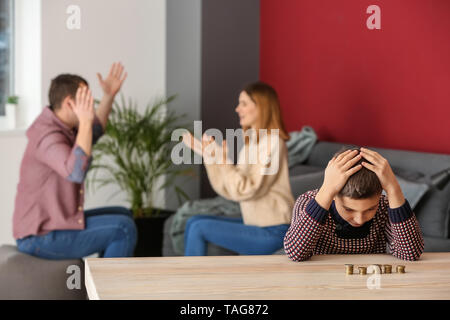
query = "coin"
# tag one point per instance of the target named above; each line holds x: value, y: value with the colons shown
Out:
x: 387, y: 268
x: 400, y: 269
x: 362, y: 270
x: 348, y: 269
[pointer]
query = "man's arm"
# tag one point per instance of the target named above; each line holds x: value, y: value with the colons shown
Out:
x: 111, y: 86
x: 84, y: 110
x: 72, y: 163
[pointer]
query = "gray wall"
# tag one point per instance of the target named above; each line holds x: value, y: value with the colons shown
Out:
x: 230, y: 60
x: 183, y: 75
x: 212, y: 52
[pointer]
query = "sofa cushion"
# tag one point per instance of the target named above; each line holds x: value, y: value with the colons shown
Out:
x: 413, y: 190
x: 301, y: 169
x: 305, y: 182
x: 26, y: 277
x: 433, y: 212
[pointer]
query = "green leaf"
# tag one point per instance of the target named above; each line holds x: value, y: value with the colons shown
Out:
x: 135, y: 151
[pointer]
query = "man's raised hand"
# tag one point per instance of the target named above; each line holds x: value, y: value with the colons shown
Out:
x: 113, y: 82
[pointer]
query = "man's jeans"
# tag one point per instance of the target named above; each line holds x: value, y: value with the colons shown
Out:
x: 109, y: 231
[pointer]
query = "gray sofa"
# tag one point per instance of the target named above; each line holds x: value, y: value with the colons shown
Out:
x: 415, y: 168
x: 26, y: 277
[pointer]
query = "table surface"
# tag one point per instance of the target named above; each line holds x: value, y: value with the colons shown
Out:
x: 266, y: 278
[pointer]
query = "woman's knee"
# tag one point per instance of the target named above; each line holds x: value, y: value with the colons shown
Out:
x: 192, y: 220
x: 196, y: 227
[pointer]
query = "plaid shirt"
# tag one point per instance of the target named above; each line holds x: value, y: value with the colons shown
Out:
x: 315, y: 230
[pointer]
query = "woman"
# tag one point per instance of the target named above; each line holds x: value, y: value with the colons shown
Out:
x: 261, y: 187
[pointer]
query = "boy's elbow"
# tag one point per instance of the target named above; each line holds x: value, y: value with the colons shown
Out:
x: 299, y: 257
x: 411, y: 255
x: 297, y: 254
x: 77, y: 176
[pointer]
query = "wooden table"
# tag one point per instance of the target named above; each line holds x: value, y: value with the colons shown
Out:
x: 266, y: 278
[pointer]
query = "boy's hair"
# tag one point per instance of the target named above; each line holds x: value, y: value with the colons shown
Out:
x: 62, y: 86
x: 363, y: 184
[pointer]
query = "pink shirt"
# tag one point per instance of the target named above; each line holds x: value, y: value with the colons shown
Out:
x: 50, y: 193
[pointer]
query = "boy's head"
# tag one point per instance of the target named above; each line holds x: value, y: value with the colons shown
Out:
x: 63, y: 89
x: 358, y: 200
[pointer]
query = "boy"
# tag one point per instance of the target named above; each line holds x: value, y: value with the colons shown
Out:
x: 49, y: 220
x: 349, y: 214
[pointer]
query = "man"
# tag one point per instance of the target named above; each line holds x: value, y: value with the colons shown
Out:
x: 49, y: 219
x: 349, y: 214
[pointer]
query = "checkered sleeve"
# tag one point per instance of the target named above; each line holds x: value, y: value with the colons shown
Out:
x: 403, y: 233
x: 306, y: 227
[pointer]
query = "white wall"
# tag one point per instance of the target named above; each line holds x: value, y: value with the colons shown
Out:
x: 130, y: 31
x: 12, y: 146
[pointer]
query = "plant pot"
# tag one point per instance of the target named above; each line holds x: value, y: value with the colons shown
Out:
x: 11, y: 115
x: 150, y: 234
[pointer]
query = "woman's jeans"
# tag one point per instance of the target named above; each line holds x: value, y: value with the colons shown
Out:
x: 109, y: 231
x: 232, y: 234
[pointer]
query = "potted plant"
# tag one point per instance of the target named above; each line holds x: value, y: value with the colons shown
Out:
x: 11, y: 111
x: 134, y: 153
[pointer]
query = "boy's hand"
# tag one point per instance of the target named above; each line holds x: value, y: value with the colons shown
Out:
x: 339, y: 169
x: 387, y: 177
x: 84, y: 105
x: 112, y: 84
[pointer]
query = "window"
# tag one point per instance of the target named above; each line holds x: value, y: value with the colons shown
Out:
x: 6, y: 52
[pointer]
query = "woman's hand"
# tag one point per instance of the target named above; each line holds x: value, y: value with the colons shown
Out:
x: 204, y: 147
x: 210, y: 151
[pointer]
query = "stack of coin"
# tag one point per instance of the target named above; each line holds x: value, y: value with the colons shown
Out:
x: 362, y: 270
x: 387, y: 268
x: 348, y: 269
x: 400, y: 269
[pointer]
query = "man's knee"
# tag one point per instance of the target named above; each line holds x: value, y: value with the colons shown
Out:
x: 128, y: 227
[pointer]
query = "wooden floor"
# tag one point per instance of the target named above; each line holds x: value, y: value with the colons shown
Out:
x: 266, y: 277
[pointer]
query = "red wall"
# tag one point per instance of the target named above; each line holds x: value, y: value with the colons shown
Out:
x: 384, y: 88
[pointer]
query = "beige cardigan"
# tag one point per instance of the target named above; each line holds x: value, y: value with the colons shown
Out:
x: 265, y: 199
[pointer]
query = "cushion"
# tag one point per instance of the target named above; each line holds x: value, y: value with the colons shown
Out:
x: 413, y: 190
x: 433, y: 212
x: 305, y: 182
x: 26, y: 277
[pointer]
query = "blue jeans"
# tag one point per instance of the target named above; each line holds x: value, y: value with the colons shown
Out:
x: 109, y: 231
x: 232, y: 234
